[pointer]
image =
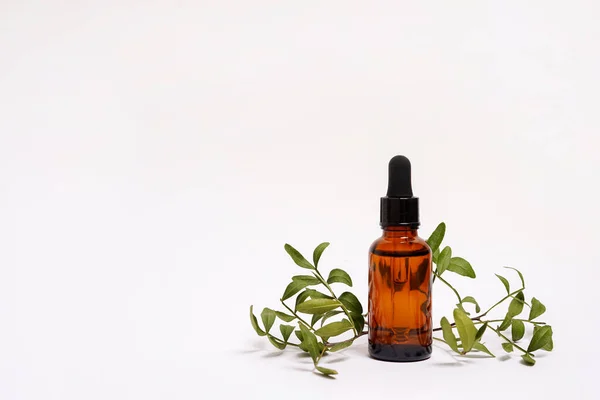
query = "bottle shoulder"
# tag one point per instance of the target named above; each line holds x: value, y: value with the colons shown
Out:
x: 400, y: 244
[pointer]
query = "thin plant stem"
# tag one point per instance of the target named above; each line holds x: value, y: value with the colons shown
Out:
x: 508, y: 340
x: 524, y: 302
x: 477, y: 320
x: 440, y: 340
x: 297, y: 316
x: 320, y: 355
x: 451, y: 287
x: 324, y: 282
x: 282, y: 342
x: 514, y: 319
x: 503, y: 299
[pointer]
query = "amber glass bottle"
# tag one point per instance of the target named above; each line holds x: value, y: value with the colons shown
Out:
x: 400, y: 325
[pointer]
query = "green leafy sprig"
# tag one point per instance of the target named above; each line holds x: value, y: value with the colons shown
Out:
x: 314, y: 336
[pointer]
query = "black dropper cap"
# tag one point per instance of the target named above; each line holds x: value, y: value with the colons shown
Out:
x: 399, y: 207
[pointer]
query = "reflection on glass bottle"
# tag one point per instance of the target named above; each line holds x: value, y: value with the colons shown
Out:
x: 400, y: 323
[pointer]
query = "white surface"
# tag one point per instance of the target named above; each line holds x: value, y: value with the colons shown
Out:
x: 155, y: 156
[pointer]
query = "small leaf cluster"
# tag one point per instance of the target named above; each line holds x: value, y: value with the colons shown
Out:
x: 469, y: 335
x: 313, y: 337
x: 463, y: 333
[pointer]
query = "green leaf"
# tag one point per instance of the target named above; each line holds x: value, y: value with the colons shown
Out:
x: 537, y: 309
x: 518, y: 330
x: 505, y: 283
x: 326, y: 371
x: 315, y: 318
x: 448, y: 334
x: 470, y: 299
x: 334, y: 328
x: 351, y: 302
x: 541, y: 337
x: 462, y: 267
x: 358, y: 320
x: 284, y: 317
x: 286, y: 331
x: 318, y: 306
x: 301, y: 298
x: 520, y: 276
x: 516, y: 305
x: 550, y: 345
x: 268, y: 318
x: 298, y: 335
x: 307, y: 280
x: 309, y: 340
x: 254, y: 323
x: 318, y: 251
x: 514, y: 308
x: 444, y: 260
x: 313, y: 294
x: 297, y: 257
x: 481, y: 347
x: 459, y: 305
x: 320, y: 348
x: 292, y: 289
x: 436, y: 237
x: 341, y: 345
x: 435, y: 255
x: 276, y: 342
x: 528, y: 359
x: 508, y: 347
x: 339, y: 275
x: 506, y: 323
x: 480, y: 332
x: 466, y: 329
x: 330, y: 314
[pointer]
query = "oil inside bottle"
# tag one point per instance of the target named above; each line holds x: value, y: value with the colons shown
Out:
x: 400, y: 305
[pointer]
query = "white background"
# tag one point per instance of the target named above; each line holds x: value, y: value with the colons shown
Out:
x: 156, y: 155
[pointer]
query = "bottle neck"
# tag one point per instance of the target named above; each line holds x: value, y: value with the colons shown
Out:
x: 399, y: 232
